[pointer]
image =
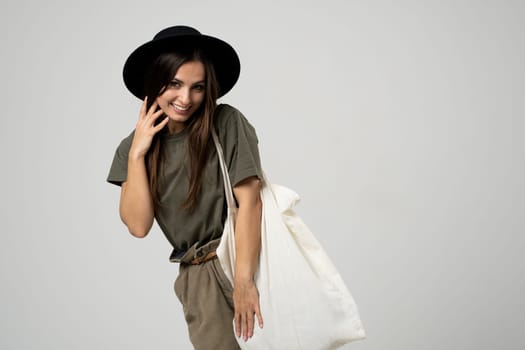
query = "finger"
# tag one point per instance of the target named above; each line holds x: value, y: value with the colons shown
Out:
x: 251, y: 320
x: 153, y: 107
x: 259, y: 317
x: 244, y: 321
x: 149, y: 121
x: 150, y: 118
x: 161, y: 124
x: 143, y: 108
x: 238, y: 325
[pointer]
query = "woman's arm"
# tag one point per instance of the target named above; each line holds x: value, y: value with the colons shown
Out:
x: 136, y: 205
x: 247, y: 248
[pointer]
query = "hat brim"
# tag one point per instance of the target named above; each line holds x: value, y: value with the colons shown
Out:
x: 223, y: 57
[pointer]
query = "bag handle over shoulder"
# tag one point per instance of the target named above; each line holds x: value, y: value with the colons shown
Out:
x: 230, y: 199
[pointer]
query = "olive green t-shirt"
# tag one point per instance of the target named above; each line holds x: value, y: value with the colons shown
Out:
x: 184, y: 228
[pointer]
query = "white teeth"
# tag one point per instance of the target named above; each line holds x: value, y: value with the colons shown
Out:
x: 179, y: 107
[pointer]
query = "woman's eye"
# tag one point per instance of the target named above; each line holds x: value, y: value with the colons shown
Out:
x: 199, y: 87
x: 174, y: 84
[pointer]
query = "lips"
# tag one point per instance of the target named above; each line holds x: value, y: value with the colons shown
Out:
x: 180, y: 108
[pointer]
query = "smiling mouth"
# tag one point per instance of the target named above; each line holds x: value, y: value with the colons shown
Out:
x: 180, y: 108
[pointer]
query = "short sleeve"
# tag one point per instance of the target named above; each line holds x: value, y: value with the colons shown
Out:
x: 118, y: 172
x: 240, y: 144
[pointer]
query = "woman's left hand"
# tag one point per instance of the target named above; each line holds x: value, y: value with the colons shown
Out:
x: 246, y: 305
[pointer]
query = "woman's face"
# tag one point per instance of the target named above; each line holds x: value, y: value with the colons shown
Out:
x: 183, y: 95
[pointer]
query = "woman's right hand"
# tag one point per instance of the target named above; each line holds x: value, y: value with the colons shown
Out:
x: 146, y: 129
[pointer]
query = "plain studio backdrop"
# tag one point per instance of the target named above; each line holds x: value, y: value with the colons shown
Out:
x: 400, y: 124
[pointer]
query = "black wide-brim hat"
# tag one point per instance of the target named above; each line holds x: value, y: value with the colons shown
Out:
x: 223, y: 57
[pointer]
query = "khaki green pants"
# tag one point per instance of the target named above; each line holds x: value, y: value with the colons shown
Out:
x: 206, y: 297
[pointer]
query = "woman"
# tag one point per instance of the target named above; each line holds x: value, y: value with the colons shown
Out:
x: 169, y: 171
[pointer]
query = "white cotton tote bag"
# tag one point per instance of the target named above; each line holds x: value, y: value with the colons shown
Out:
x: 303, y: 299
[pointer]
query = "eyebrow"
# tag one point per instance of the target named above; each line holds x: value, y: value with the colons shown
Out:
x: 180, y: 81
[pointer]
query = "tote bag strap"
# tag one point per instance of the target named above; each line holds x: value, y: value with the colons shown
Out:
x: 224, y: 169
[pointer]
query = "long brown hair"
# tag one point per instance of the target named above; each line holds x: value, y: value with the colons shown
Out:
x: 160, y: 73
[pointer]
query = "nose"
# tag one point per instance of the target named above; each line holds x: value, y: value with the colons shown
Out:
x: 184, y: 97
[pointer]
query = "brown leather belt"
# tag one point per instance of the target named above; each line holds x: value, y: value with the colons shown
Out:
x: 201, y: 259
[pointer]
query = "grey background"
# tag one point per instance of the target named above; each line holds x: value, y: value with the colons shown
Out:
x: 399, y: 123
